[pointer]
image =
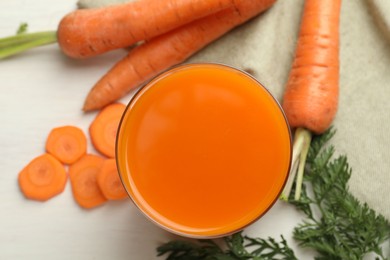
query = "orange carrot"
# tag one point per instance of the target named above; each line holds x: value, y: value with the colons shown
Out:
x: 104, y: 127
x: 88, y: 32
x: 109, y: 181
x: 160, y: 53
x: 311, y: 96
x: 67, y: 144
x: 83, y: 177
x: 43, y: 178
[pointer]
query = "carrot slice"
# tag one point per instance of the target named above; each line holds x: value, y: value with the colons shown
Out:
x: 109, y: 181
x: 67, y: 143
x: 83, y: 177
x: 104, y: 128
x: 42, y: 178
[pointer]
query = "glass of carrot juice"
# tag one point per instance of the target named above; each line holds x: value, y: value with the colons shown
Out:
x: 203, y: 150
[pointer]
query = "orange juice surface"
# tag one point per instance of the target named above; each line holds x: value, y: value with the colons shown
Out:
x: 203, y: 150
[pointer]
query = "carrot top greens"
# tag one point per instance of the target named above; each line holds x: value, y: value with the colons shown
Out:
x: 237, y: 248
x: 24, y: 41
x: 337, y: 225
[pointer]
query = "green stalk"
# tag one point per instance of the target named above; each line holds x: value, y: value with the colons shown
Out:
x: 297, y: 148
x: 16, y: 44
x: 306, y: 135
x: 290, y: 181
x: 302, y: 139
x: 23, y: 37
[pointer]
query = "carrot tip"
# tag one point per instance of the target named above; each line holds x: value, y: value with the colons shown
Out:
x: 88, y: 106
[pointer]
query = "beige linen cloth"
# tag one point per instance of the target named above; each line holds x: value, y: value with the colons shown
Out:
x: 266, y: 46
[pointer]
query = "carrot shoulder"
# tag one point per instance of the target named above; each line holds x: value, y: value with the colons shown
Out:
x: 67, y: 143
x: 311, y: 96
x: 109, y: 181
x: 104, y: 127
x: 83, y: 178
x: 43, y: 178
x: 88, y: 32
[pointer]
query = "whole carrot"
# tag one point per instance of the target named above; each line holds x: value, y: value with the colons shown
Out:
x: 311, y: 96
x: 160, y: 53
x: 89, y: 32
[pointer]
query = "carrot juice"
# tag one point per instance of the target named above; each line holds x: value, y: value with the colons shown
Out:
x: 203, y: 150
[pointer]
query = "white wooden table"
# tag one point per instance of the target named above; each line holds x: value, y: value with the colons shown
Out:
x: 42, y: 89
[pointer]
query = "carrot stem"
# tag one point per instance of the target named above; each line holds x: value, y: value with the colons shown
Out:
x: 302, y: 140
x: 306, y: 136
x: 21, y: 38
x: 12, y: 45
x: 297, y: 148
x: 290, y: 181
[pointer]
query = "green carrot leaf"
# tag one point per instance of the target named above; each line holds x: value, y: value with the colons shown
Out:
x: 22, y: 28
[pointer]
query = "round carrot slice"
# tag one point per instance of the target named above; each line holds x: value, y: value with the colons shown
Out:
x: 83, y: 178
x: 109, y: 181
x: 104, y: 127
x: 67, y: 143
x: 43, y: 178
